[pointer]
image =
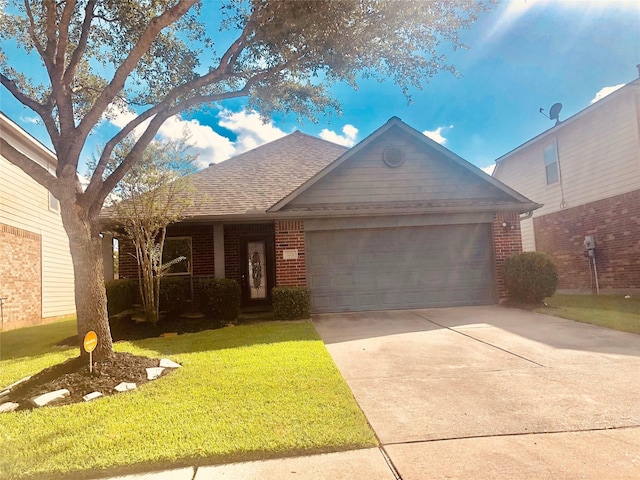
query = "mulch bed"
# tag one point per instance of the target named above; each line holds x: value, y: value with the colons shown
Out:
x: 74, y: 376
x: 121, y: 367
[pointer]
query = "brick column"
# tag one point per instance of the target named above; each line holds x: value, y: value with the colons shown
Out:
x: 506, y: 242
x: 291, y: 272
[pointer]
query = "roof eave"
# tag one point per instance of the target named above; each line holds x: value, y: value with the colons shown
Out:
x: 634, y: 84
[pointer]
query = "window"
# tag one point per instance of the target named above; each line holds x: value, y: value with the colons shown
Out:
x: 551, y: 163
x: 54, y: 204
x: 174, y: 248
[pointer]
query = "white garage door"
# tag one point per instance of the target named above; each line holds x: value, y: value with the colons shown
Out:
x: 394, y: 268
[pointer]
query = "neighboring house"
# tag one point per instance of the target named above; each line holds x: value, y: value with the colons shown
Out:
x: 36, y: 272
x: 586, y: 172
x: 398, y: 221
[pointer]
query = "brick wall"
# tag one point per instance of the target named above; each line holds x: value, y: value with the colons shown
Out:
x: 290, y: 236
x: 20, y: 277
x: 232, y: 235
x: 615, y: 224
x: 506, y: 242
x: 202, y: 256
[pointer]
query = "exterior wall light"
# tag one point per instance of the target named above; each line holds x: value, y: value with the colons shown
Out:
x: 506, y: 226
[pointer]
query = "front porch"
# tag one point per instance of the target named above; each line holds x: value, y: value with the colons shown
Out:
x: 259, y: 256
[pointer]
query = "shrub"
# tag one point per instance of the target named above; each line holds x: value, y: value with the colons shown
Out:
x: 530, y: 276
x: 175, y: 295
x: 290, y: 303
x: 220, y: 298
x: 121, y: 295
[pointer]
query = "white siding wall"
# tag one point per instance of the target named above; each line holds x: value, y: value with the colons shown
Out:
x: 25, y: 204
x: 599, y: 155
x: 528, y: 237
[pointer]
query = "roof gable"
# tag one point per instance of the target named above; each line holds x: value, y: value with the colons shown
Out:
x: 427, y: 174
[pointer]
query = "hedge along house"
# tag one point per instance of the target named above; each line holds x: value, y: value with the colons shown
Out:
x: 397, y: 221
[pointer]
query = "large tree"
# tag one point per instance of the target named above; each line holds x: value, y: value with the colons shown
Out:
x: 155, y: 58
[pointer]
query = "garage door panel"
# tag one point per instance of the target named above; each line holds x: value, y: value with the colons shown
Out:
x: 412, y: 267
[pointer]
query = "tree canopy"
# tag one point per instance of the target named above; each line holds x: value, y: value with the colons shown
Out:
x: 159, y: 58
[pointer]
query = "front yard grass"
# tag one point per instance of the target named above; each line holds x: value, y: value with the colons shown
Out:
x: 612, y: 311
x: 245, y: 392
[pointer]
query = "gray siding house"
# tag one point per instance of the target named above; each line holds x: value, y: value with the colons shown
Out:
x: 397, y: 221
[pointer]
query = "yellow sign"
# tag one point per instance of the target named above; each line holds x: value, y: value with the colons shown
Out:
x: 90, y: 341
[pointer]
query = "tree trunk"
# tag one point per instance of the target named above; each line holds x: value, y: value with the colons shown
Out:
x: 90, y: 294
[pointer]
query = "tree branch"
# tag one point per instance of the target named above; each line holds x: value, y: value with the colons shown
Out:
x: 32, y: 31
x: 126, y: 67
x: 80, y: 49
x: 31, y: 168
x: 62, y: 91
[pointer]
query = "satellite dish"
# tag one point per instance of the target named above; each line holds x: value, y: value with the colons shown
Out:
x: 555, y: 111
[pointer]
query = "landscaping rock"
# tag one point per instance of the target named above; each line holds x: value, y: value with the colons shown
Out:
x: 125, y: 387
x: 166, y: 363
x: 8, y: 407
x: 154, y: 372
x: 47, y: 398
x: 91, y: 396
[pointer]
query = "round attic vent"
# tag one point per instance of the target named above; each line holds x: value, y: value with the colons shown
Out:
x: 393, y: 156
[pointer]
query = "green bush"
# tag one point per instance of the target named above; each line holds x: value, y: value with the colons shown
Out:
x: 530, y: 276
x: 175, y: 295
x: 121, y: 295
x: 291, y: 303
x: 220, y: 298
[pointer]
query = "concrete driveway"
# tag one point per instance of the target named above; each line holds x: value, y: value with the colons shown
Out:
x: 490, y: 392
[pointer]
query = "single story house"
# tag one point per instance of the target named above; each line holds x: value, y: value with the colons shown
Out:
x: 397, y: 221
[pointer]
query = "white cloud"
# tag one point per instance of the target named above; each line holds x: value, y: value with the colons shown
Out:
x: 605, y: 91
x: 251, y: 131
x: 211, y: 147
x: 32, y: 120
x: 489, y: 169
x: 437, y: 134
x: 348, y: 139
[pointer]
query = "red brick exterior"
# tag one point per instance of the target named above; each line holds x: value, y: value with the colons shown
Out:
x: 290, y: 236
x: 20, y: 277
x: 615, y: 224
x: 202, y: 258
x: 232, y: 235
x: 506, y: 242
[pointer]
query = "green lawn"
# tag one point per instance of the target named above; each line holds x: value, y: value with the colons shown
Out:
x: 612, y: 311
x: 33, y: 341
x: 246, y: 392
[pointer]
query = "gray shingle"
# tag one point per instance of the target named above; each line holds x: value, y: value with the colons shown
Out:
x: 255, y: 180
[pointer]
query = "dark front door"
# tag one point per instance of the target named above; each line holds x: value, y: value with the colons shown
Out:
x: 256, y: 270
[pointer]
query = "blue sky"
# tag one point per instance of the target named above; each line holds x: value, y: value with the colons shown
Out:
x: 523, y: 55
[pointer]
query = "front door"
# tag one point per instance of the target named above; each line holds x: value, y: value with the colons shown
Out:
x: 257, y: 270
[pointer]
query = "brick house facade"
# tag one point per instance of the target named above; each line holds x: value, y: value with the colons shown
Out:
x: 362, y: 228
x: 36, y: 269
x: 585, y: 171
x: 615, y: 223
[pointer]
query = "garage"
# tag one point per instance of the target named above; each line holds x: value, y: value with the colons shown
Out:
x: 400, y: 267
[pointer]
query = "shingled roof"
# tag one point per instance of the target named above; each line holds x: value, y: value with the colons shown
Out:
x: 255, y: 180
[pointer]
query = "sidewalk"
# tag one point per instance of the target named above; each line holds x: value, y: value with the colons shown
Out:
x: 364, y: 464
